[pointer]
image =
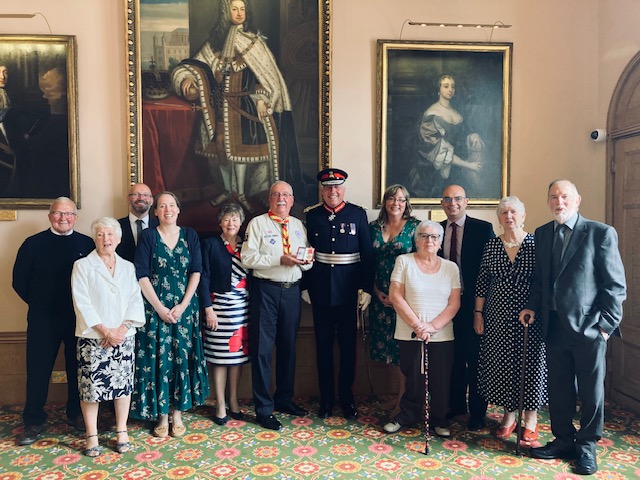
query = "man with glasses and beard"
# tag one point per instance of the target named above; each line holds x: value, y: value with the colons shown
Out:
x: 140, y: 203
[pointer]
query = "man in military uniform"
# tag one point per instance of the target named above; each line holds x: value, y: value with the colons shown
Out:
x: 339, y: 283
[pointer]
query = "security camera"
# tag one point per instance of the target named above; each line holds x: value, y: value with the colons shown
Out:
x: 599, y: 135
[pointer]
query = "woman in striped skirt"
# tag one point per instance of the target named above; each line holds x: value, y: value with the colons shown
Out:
x: 225, y: 297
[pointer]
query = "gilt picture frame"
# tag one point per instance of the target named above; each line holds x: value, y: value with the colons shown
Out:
x: 38, y: 121
x: 443, y: 117
x: 166, y: 146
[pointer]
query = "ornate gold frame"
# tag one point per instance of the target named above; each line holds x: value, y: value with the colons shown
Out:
x: 35, y: 53
x: 134, y: 98
x: 410, y: 69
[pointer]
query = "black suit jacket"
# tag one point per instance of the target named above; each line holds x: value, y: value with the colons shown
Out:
x: 127, y: 247
x: 591, y: 285
x: 476, y: 234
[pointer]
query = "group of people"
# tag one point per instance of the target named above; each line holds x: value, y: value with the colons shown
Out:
x: 454, y: 285
x: 472, y: 297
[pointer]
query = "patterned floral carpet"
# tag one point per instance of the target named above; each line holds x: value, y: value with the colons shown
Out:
x: 306, y: 448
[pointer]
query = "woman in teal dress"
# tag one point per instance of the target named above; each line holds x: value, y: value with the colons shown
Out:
x: 392, y: 235
x: 171, y: 371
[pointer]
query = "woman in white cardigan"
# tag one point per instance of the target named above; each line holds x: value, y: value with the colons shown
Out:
x: 109, y: 308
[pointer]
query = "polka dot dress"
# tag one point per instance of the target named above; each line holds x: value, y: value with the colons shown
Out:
x: 505, y: 287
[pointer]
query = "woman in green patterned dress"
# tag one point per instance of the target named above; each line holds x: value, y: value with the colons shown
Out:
x: 392, y: 235
x: 171, y: 372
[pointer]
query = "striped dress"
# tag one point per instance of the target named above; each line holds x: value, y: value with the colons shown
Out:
x: 229, y: 344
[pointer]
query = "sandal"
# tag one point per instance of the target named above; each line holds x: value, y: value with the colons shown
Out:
x: 122, y: 447
x: 161, y: 431
x: 93, y: 452
x: 178, y: 430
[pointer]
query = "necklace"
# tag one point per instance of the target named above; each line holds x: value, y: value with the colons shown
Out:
x: 513, y: 244
x: 444, y: 106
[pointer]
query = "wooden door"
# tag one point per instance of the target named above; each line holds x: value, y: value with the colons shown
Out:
x: 623, y: 380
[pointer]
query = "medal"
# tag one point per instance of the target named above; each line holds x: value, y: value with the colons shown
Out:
x: 352, y: 229
x: 332, y: 216
x: 342, y: 228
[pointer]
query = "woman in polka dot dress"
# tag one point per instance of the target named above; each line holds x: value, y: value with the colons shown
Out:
x: 502, y: 289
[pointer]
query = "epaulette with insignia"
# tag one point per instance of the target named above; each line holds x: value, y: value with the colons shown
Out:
x: 311, y: 207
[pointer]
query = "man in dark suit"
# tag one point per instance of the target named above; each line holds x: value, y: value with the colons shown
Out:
x: 577, y: 292
x: 140, y: 202
x: 463, y: 243
x: 42, y: 278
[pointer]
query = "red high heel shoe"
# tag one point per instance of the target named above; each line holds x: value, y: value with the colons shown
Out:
x: 529, y: 436
x: 505, y: 432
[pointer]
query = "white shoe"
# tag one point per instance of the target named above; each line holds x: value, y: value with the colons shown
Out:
x: 392, y: 427
x: 442, y: 431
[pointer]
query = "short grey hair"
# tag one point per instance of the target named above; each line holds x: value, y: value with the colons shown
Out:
x: 510, y: 201
x: 105, y: 222
x: 423, y: 225
x: 63, y: 200
x: 231, y: 209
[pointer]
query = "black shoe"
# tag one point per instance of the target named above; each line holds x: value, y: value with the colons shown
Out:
x: 586, y: 464
x: 268, y: 421
x: 325, y: 411
x: 551, y: 451
x: 292, y: 409
x: 77, y: 423
x: 236, y: 415
x: 30, y: 434
x: 476, y: 424
x: 349, y: 411
x: 220, y: 421
x: 454, y: 413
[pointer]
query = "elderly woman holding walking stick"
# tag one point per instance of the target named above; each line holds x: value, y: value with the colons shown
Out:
x: 425, y: 293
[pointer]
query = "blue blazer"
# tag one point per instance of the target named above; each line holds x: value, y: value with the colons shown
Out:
x: 590, y: 288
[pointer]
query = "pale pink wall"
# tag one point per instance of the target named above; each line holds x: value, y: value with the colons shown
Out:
x: 568, y: 56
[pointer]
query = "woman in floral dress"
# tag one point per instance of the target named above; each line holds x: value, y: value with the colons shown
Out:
x: 392, y: 235
x: 171, y: 372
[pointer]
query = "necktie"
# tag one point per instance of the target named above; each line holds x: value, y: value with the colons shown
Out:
x: 284, y: 224
x: 139, y: 224
x: 453, y: 249
x: 556, y: 253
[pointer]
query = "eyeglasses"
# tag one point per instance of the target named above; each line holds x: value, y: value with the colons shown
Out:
x: 429, y: 236
x: 399, y: 200
x: 280, y: 195
x: 451, y: 199
x: 63, y: 214
x: 142, y: 195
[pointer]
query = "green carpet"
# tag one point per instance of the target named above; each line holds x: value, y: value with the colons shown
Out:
x: 306, y: 448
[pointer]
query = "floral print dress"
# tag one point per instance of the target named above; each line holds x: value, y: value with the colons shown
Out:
x: 171, y: 371
x: 382, y: 320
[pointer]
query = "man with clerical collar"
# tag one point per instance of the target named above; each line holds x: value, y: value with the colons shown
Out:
x: 42, y: 278
x: 140, y: 202
x: 340, y: 282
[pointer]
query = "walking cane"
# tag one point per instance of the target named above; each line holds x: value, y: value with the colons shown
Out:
x: 426, y: 394
x: 527, y: 317
x: 426, y: 398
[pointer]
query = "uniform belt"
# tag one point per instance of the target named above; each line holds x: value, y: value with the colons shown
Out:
x: 278, y: 284
x: 337, y: 258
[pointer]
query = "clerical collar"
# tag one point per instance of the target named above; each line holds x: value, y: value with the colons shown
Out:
x: 66, y: 234
x: 335, y: 210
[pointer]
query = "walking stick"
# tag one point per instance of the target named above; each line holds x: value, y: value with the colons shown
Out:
x: 426, y: 398
x: 426, y: 394
x: 527, y: 317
